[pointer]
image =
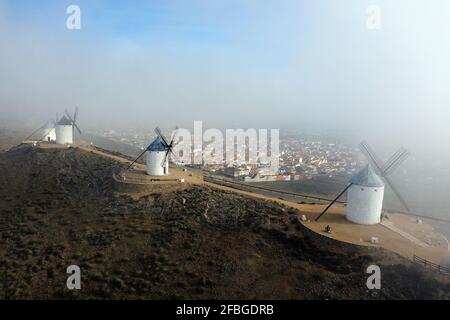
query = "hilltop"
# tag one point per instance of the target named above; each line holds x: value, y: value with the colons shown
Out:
x: 58, y: 207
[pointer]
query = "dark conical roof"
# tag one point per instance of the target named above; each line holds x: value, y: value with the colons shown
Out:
x: 157, y: 145
x: 367, y: 177
x: 64, y: 122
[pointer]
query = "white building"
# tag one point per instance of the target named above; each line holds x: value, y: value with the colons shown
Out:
x: 64, y: 131
x: 156, y: 152
x: 365, y: 197
x: 50, y: 134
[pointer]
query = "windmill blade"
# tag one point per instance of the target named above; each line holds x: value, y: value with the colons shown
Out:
x: 174, y: 143
x: 68, y: 115
x: 128, y: 168
x: 34, y: 132
x: 332, y: 202
x: 365, y: 148
x: 76, y: 127
x: 173, y: 155
x: 46, y: 133
x: 397, y: 194
x: 170, y: 153
x: 75, y: 115
x: 396, y: 163
x: 174, y: 135
x: 161, y: 136
x: 392, y: 159
x: 56, y: 119
x: 163, y: 163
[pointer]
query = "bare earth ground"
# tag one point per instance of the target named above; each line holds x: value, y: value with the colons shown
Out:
x: 10, y: 138
x: 436, y: 249
x: 58, y: 207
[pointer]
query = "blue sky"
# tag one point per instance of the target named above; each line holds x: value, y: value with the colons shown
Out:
x: 232, y: 63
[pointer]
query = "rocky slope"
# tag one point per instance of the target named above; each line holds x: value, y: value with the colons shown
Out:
x: 58, y: 208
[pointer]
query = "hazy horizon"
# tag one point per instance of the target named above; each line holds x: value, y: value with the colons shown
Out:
x: 311, y: 65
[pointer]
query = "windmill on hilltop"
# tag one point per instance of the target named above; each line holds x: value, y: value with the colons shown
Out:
x: 47, y: 131
x: 366, y: 188
x: 50, y: 131
x: 157, y: 154
x: 64, y: 128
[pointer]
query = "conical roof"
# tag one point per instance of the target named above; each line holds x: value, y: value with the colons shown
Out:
x: 157, y: 145
x: 367, y: 177
x: 64, y: 122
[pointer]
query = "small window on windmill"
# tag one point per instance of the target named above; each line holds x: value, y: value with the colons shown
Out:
x: 362, y: 189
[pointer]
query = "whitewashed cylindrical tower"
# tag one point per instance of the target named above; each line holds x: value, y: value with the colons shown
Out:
x: 365, y: 197
x: 50, y: 134
x: 156, y: 153
x: 64, y: 131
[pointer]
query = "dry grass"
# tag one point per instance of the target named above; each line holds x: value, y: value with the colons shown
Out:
x: 58, y: 208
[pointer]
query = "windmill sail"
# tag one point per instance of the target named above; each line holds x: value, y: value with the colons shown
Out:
x: 74, y: 119
x: 383, y: 170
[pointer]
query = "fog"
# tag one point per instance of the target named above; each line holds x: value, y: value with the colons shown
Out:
x: 293, y: 65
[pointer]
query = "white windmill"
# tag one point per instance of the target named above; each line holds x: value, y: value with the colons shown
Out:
x: 50, y: 131
x: 64, y: 128
x: 45, y: 125
x: 157, y: 154
x: 365, y: 197
x: 366, y: 188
